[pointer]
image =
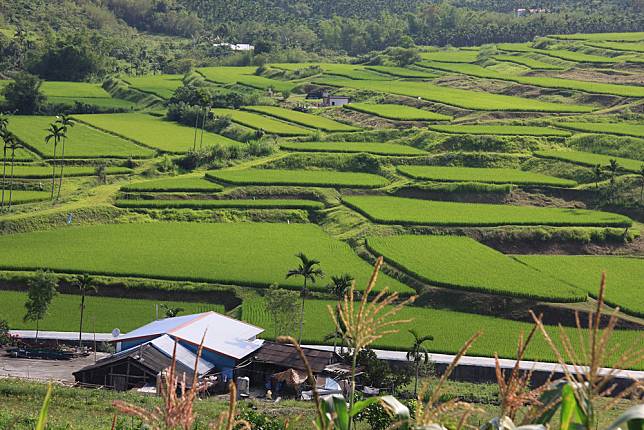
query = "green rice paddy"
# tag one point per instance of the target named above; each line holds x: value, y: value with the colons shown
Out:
x: 624, y: 129
x: 503, y: 130
x: 590, y: 159
x: 153, y: 132
x: 353, y: 147
x: 528, y: 62
x: 398, y: 112
x: 397, y: 210
x: 486, y: 175
x: 402, y: 72
x: 162, y: 86
x: 260, y: 122
x: 450, y: 56
x: 440, y: 261
x: 312, y: 178
x: 305, y: 119
x: 624, y: 276
x: 82, y: 141
x: 24, y: 196
x: 262, y: 255
x: 177, y: 184
x: 28, y: 171
x: 221, y: 204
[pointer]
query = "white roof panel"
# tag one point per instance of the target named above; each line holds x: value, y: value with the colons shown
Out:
x: 166, y: 344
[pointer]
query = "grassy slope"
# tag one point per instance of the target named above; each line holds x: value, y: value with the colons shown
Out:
x: 487, y: 175
x: 186, y: 184
x: 590, y: 159
x: 505, y: 130
x: 398, y: 112
x: 220, y: 204
x: 251, y: 254
x: 396, y: 210
x: 635, y: 130
x: 314, y: 178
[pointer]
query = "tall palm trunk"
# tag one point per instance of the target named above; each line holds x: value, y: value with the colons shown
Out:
x: 4, y: 174
x: 37, y: 329
x: 13, y: 158
x: 416, y: 384
x: 62, y: 167
x: 194, y: 142
x: 53, y: 171
x: 80, y: 329
x: 302, y: 313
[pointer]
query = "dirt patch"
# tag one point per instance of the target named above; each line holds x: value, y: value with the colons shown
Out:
x: 521, y: 197
x: 43, y: 370
x: 635, y: 248
x: 604, y: 76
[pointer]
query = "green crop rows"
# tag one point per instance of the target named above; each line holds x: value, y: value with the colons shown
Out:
x: 619, y: 46
x: 262, y: 253
x: 256, y: 121
x: 398, y: 112
x: 467, y: 99
x: 305, y: 119
x: 636, y: 130
x: 68, y: 93
x: 244, y: 76
x: 368, y: 147
x: 402, y: 72
x: 450, y: 56
x: 27, y: 171
x: 439, y: 260
x: 350, y: 71
x: 450, y: 330
x: 21, y: 154
x: 102, y: 314
x: 397, y: 210
x: 22, y: 196
x: 545, y: 82
x: 616, y: 37
x: 507, y: 130
x: 82, y: 141
x: 590, y: 159
x: 152, y: 131
x: 163, y: 86
x: 528, y: 62
x: 312, y: 178
x: 579, y: 57
x: 486, y: 175
x: 221, y: 204
x: 178, y: 184
x: 624, y: 276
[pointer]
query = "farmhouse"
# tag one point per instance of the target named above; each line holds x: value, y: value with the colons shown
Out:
x: 236, y: 46
x: 144, y: 353
x: 331, y: 100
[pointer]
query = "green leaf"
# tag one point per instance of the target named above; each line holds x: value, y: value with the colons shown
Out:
x: 633, y: 417
x: 341, y: 421
x: 359, y: 406
x: 42, y: 417
x: 571, y: 411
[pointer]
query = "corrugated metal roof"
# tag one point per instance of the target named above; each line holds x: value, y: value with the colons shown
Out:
x: 220, y: 333
x: 287, y: 356
x: 182, y: 354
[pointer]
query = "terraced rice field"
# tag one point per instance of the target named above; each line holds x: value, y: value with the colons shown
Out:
x: 619, y: 46
x: 153, y: 132
x: 624, y: 276
x: 624, y: 129
x: 260, y: 122
x: 401, y: 72
x: 578, y: 57
x: 499, y: 335
x: 350, y: 71
x: 221, y: 204
x: 162, y: 86
x: 440, y: 261
x: 312, y: 178
x: 503, y: 130
x: 23, y: 197
x: 398, y: 112
x: 27, y: 171
x: 244, y: 76
x: 397, y: 210
x: 450, y: 56
x: 178, y: 184
x: 101, y: 313
x: 528, y: 62
x: 262, y: 255
x: 486, y: 175
x: 68, y: 93
x: 545, y: 82
x: 21, y: 154
x: 305, y: 119
x: 353, y: 147
x: 466, y: 99
x: 82, y: 141
x: 617, y: 37
x: 590, y: 159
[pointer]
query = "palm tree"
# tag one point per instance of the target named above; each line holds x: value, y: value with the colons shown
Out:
x: 171, y: 312
x: 418, y: 354
x: 56, y: 133
x: 12, y: 143
x: 66, y: 122
x: 84, y: 283
x: 309, y: 270
x: 338, y: 287
x: 599, y: 173
x: 613, y: 167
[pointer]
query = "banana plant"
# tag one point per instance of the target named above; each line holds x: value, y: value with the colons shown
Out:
x: 337, y: 416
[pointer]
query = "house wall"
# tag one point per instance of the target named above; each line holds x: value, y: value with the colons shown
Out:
x: 224, y: 364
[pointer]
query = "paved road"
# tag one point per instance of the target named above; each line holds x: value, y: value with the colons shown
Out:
x: 43, y: 370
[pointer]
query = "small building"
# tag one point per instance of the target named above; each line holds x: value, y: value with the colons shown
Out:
x: 236, y: 46
x: 332, y: 100
x: 143, y: 353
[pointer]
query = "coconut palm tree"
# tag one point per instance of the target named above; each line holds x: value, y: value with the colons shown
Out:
x: 66, y: 122
x: 309, y: 270
x: 84, y: 283
x: 338, y: 287
x: 599, y: 174
x: 613, y: 167
x: 56, y: 133
x: 418, y: 354
x: 12, y: 143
